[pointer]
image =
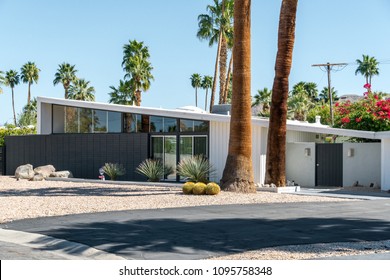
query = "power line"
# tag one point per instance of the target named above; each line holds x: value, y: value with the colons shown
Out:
x: 328, y: 68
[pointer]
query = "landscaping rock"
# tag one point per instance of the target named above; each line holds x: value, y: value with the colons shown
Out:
x: 45, y: 170
x: 62, y: 174
x: 38, y: 177
x: 24, y: 172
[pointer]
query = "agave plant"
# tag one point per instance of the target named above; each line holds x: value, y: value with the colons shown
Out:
x: 152, y: 169
x: 113, y: 170
x: 195, y: 169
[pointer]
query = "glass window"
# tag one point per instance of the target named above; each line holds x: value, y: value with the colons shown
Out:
x: 156, y: 124
x: 186, y: 125
x: 185, y: 147
x: 170, y: 125
x: 114, y: 122
x: 201, y: 126
x: 85, y: 120
x: 99, y: 121
x: 71, y: 120
x: 200, y: 146
x: 129, y: 122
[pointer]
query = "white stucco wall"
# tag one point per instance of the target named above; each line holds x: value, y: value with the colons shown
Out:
x: 364, y: 165
x: 219, y: 142
x: 385, y: 159
x: 300, y: 168
x: 44, y: 118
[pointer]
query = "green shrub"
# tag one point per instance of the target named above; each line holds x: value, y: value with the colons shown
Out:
x: 212, y: 189
x: 188, y: 187
x: 152, y: 169
x: 199, y: 189
x: 195, y: 169
x: 113, y: 170
x: 12, y: 130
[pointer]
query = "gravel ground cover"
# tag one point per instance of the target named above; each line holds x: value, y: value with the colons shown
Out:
x: 26, y: 199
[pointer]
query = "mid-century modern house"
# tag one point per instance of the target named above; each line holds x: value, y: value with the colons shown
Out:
x: 81, y: 136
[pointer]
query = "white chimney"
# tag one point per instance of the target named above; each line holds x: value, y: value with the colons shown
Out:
x: 318, y: 119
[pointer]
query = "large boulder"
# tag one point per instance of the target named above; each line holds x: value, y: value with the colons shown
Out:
x: 45, y: 170
x: 24, y: 172
x: 62, y: 174
x: 38, y: 177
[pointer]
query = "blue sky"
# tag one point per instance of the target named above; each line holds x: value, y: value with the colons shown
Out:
x: 91, y: 35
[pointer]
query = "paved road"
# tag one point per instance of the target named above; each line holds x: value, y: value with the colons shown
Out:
x: 201, y: 232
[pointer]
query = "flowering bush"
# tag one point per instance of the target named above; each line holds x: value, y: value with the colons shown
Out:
x: 372, y: 113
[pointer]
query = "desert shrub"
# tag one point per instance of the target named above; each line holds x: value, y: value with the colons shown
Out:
x: 199, y: 188
x: 188, y: 187
x: 113, y: 170
x: 212, y: 189
x: 152, y: 169
x: 195, y: 169
x: 12, y: 130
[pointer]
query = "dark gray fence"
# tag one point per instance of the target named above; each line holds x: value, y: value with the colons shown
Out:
x: 2, y: 160
x: 82, y: 154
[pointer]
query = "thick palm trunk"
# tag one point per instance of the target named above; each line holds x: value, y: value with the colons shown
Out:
x: 222, y: 69
x: 66, y: 92
x: 276, y: 145
x: 205, y: 101
x: 13, y: 106
x: 238, y: 172
x: 196, y: 97
x: 137, y: 97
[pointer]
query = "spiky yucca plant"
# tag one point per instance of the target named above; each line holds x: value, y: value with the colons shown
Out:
x: 113, y: 170
x: 154, y: 170
x: 195, y: 169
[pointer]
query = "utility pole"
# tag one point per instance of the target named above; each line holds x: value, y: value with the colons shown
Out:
x: 329, y: 67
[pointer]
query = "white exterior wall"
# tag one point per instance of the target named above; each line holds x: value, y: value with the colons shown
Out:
x: 299, y: 136
x: 219, y: 143
x: 385, y: 163
x: 364, y: 166
x: 300, y: 168
x: 44, y: 118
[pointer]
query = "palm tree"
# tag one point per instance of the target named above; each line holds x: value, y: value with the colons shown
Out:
x: 309, y: 88
x: 66, y: 74
x: 81, y: 90
x: 29, y: 73
x: 124, y: 94
x: 238, y: 172
x: 207, y: 83
x: 196, y: 82
x: 11, y: 80
x: 276, y: 147
x: 2, y: 80
x: 299, y: 105
x: 29, y: 114
x: 368, y: 67
x: 217, y: 27
x: 263, y: 98
x: 324, y: 95
x: 138, y: 68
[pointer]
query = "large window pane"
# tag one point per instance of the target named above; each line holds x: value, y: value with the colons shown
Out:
x: 85, y: 120
x: 170, y: 157
x: 71, y: 120
x: 114, y: 122
x: 158, y: 148
x: 99, y: 121
x: 186, y: 125
x: 129, y: 122
x: 170, y: 125
x: 200, y: 146
x: 156, y: 124
x: 201, y: 126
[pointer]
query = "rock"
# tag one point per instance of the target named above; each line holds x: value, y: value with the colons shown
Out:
x: 45, y: 170
x: 38, y: 177
x: 273, y: 185
x: 24, y: 172
x: 265, y: 186
x: 62, y: 174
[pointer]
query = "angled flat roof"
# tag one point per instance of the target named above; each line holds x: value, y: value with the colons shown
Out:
x: 198, y: 115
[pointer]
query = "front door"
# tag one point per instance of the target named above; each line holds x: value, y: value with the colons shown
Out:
x: 329, y: 164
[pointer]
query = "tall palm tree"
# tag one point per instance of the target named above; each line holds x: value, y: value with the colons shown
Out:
x: 309, y: 88
x: 2, y: 80
x: 81, y: 90
x: 217, y: 28
x: 11, y: 80
x: 124, y: 94
x: 207, y: 83
x: 368, y: 67
x: 324, y: 95
x: 263, y: 98
x: 29, y: 114
x: 29, y: 73
x: 238, y: 172
x: 66, y: 74
x: 299, y: 105
x: 196, y: 82
x: 138, y: 68
x: 276, y: 147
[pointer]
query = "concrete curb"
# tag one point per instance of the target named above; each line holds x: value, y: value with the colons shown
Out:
x: 62, y: 248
